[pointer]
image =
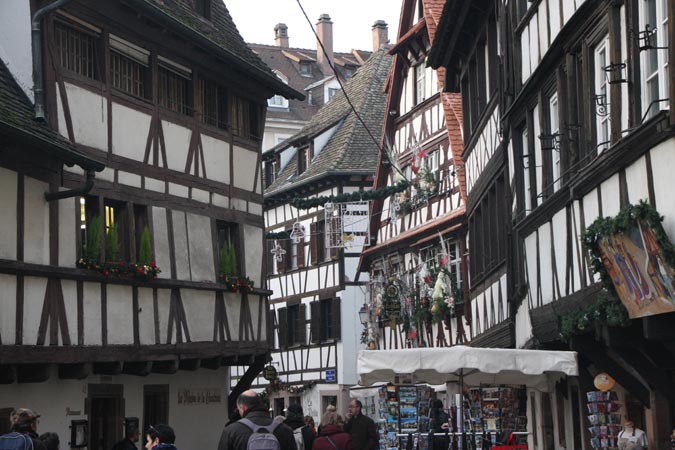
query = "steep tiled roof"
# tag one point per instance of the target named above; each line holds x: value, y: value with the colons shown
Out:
x: 350, y: 150
x: 219, y: 32
x: 17, y: 121
x: 285, y: 60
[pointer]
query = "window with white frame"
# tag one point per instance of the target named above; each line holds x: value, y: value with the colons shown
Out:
x: 554, y: 129
x: 419, y: 83
x: 527, y: 184
x: 278, y: 101
x: 455, y: 262
x: 602, y: 121
x: 654, y: 61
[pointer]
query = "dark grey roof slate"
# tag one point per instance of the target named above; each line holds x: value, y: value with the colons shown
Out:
x: 350, y: 150
x: 17, y: 121
x: 221, y: 32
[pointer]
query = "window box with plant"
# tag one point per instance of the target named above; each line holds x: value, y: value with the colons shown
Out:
x: 144, y: 269
x: 229, y: 273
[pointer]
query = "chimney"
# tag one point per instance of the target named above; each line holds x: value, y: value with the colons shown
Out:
x: 281, y: 35
x: 380, y: 34
x: 324, y: 29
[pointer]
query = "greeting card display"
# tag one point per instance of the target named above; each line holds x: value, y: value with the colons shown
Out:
x: 604, y: 418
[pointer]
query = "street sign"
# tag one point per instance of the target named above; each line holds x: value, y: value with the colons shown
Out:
x: 330, y: 375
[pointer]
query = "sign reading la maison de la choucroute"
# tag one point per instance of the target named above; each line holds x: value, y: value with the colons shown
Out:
x: 639, y: 271
x: 199, y: 396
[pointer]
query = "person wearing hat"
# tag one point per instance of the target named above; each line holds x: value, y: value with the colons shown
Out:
x: 295, y: 418
x: 24, y: 432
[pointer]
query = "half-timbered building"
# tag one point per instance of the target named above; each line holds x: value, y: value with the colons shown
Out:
x: 141, y: 150
x: 586, y: 130
x: 417, y: 268
x: 314, y: 243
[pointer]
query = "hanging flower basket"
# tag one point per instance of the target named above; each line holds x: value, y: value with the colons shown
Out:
x: 236, y: 283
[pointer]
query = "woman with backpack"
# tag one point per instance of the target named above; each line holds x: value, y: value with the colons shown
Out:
x: 332, y: 437
x: 304, y: 438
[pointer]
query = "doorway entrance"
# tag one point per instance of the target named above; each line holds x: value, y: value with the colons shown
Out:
x: 106, y: 415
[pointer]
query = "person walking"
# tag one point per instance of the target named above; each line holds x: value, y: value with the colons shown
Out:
x: 51, y: 441
x: 24, y: 432
x: 438, y: 423
x: 129, y: 441
x: 304, y: 438
x: 332, y: 436
x: 361, y: 428
x: 252, y: 408
x: 160, y: 437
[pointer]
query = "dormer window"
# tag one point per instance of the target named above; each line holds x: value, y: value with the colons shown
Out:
x: 304, y: 158
x: 348, y: 72
x: 331, y: 93
x: 278, y: 101
x: 203, y: 8
x: 305, y: 69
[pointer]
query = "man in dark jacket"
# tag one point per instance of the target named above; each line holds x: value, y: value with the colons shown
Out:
x: 251, y: 407
x: 295, y: 419
x: 24, y: 432
x: 362, y: 428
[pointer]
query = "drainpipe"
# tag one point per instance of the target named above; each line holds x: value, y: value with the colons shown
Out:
x: 77, y: 192
x: 36, y: 33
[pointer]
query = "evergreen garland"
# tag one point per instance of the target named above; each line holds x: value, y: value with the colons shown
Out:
x: 377, y: 194
x: 277, y: 235
x: 608, y: 309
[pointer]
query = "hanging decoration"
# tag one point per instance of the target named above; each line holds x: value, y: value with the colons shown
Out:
x: 277, y: 385
x: 297, y: 232
x: 272, y: 235
x: 278, y: 252
x: 348, y: 225
x: 376, y: 194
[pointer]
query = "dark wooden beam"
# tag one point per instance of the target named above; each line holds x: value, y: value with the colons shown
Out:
x: 245, y: 381
x: 212, y: 363
x: 190, y: 364
x: 107, y: 368
x: 32, y: 373
x: 139, y: 368
x: 169, y: 366
x: 77, y: 371
x: 7, y: 374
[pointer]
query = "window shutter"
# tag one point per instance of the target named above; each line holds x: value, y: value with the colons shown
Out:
x: 301, y: 324
x: 314, y: 246
x: 270, y: 328
x: 283, y: 328
x: 301, y: 253
x: 337, y: 322
x: 315, y: 325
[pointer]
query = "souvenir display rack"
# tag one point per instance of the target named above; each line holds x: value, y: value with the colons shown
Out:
x: 604, y: 419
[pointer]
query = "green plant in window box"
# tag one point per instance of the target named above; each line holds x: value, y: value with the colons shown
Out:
x: 228, y: 271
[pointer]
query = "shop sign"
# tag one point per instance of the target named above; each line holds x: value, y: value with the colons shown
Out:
x: 640, y: 274
x: 203, y: 396
x: 270, y: 373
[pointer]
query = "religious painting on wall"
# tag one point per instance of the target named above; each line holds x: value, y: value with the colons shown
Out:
x: 640, y: 273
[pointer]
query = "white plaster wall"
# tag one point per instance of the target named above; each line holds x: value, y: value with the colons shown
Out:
x: 233, y: 308
x: 545, y: 263
x: 36, y: 222
x: 160, y: 234
x: 531, y: 261
x: 254, y: 305
x: 33, y: 300
x: 155, y: 185
x: 92, y: 313
x: 201, y: 248
x: 576, y: 256
x: 129, y: 179
x: 560, y: 244
x: 610, y: 196
x: 90, y: 116
x: 163, y: 306
x: 244, y: 168
x: 636, y: 180
x: 129, y: 132
x: 69, y: 289
x: 54, y: 397
x: 68, y: 231
x: 8, y: 309
x: 15, y: 42
x: 663, y: 161
x: 353, y: 297
x: 253, y: 240
x: 8, y: 223
x: 523, y: 325
x: 199, y: 311
x: 146, y: 317
x: 120, y: 314
x: 177, y: 140
x: 554, y: 14
x: 180, y: 244
x: 178, y: 190
x: 538, y: 157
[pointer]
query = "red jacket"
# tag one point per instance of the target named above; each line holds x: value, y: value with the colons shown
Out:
x: 342, y: 440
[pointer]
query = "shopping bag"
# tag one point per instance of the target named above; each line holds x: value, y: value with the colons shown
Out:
x: 510, y: 444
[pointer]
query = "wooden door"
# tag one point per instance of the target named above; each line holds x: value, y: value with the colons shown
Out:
x: 106, y: 416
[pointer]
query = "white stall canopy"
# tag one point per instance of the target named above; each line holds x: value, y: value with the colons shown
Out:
x: 472, y: 366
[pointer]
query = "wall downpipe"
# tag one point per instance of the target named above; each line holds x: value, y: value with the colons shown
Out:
x: 77, y: 192
x: 36, y: 33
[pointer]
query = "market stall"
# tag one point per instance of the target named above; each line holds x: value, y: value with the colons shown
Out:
x: 502, y: 370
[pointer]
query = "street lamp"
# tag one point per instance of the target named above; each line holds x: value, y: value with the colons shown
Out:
x: 364, y: 315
